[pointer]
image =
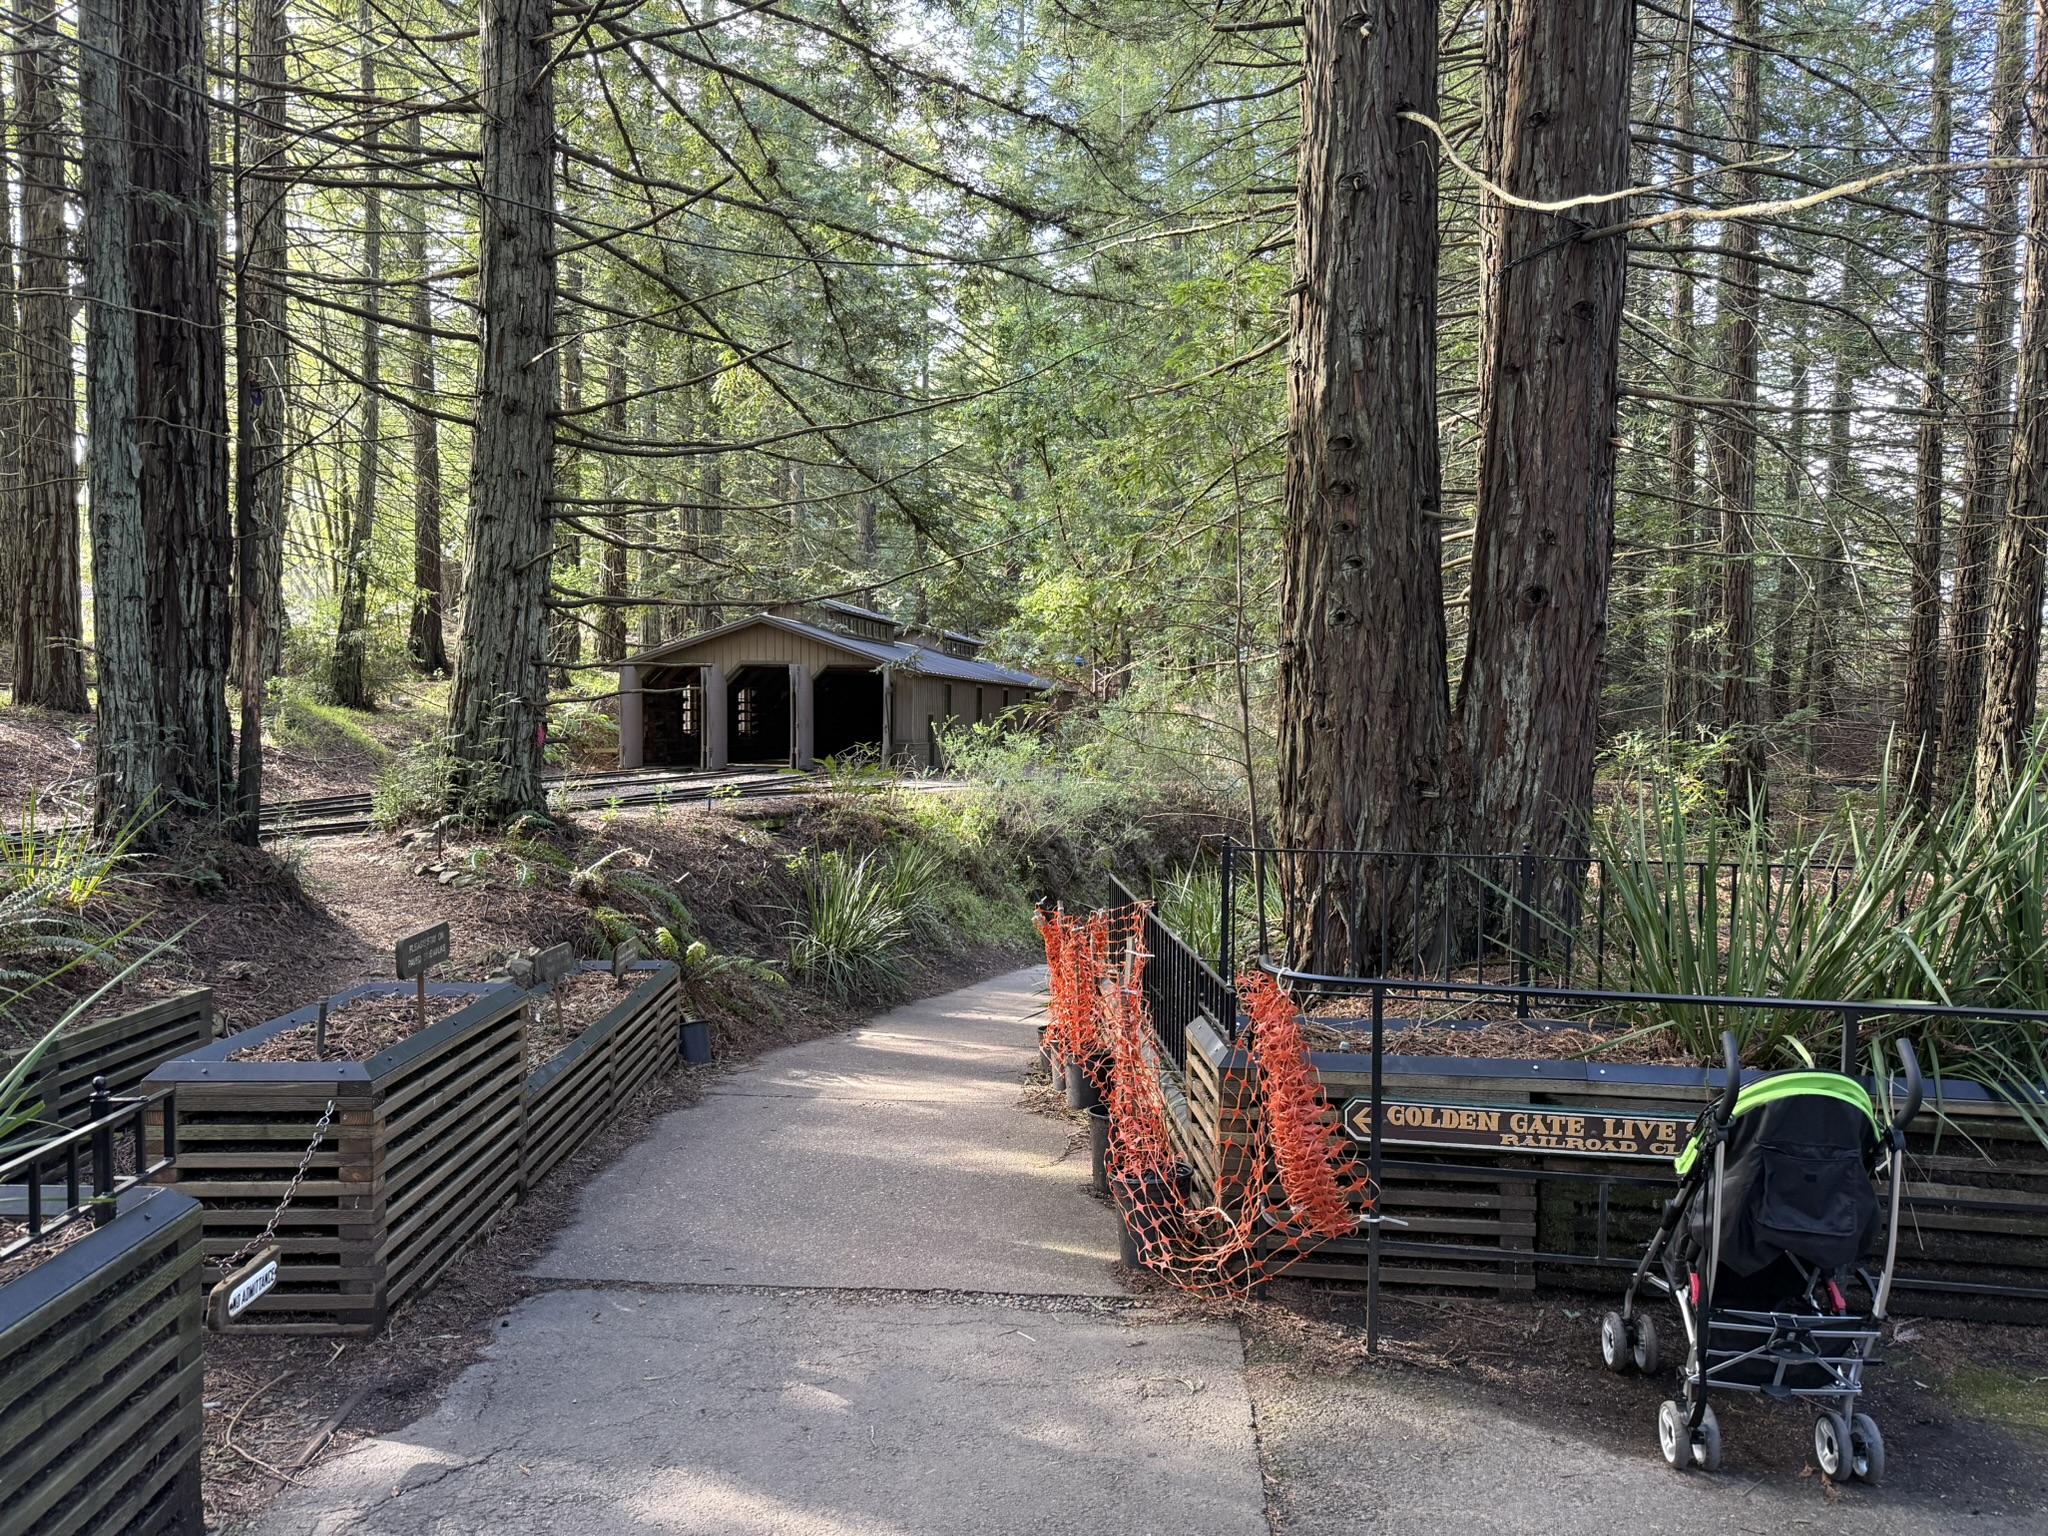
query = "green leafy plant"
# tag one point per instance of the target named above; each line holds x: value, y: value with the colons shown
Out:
x: 849, y: 937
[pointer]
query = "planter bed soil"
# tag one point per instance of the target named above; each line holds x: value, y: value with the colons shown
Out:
x: 365, y: 1025
x: 1495, y: 1041
x: 52, y: 1245
x: 557, y: 1018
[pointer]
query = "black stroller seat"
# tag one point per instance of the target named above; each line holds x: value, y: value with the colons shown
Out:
x: 1776, y: 1208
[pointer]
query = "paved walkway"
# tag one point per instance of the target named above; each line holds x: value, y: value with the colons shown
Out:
x: 855, y: 1292
x: 859, y: 1292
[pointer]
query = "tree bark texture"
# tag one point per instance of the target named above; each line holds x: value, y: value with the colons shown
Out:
x: 348, y: 672
x: 1543, y: 544
x: 262, y: 361
x: 181, y: 379
x: 1682, y: 655
x: 1987, y: 449
x: 1920, y: 711
x: 128, y: 742
x: 498, y: 713
x: 426, y: 633
x: 611, y: 618
x: 1734, y: 460
x: 49, y: 656
x: 1363, y: 708
x: 2013, y: 625
x: 565, y: 623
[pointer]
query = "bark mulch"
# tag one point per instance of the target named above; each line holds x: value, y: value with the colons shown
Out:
x: 355, y: 1033
x: 557, y: 1018
x: 51, y: 1245
x: 1503, y: 1041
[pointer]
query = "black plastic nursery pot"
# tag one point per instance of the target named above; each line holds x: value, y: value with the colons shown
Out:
x: 1088, y: 1080
x: 1141, y: 1210
x: 1098, y: 1147
x: 696, y: 1043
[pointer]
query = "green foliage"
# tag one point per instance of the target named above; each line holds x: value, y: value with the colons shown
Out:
x: 580, y: 732
x: 427, y: 783
x: 51, y: 879
x: 849, y: 936
x: 1888, y: 908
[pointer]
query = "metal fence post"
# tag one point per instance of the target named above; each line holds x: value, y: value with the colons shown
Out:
x: 102, y: 1153
x: 1372, y: 1231
x: 1851, y: 1022
x: 1528, y: 884
x: 1226, y: 917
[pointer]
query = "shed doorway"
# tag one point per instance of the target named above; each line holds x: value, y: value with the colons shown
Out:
x: 849, y: 711
x: 672, y: 701
x: 758, y: 715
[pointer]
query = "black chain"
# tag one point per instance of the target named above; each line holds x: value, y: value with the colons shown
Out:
x: 270, y: 1227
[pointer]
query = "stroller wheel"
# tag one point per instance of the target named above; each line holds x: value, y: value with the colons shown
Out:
x: 1646, y: 1354
x: 1615, y: 1352
x: 1673, y: 1438
x: 1831, y: 1445
x: 1866, y: 1449
x: 1706, y: 1443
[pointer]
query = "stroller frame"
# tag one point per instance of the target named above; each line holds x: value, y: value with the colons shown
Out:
x: 1824, y: 1353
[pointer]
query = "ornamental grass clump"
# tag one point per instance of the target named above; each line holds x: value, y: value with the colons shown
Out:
x: 849, y: 936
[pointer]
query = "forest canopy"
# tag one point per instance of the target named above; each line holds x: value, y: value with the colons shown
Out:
x: 1379, y: 418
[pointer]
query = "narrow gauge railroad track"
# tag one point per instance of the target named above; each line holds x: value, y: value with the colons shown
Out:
x: 341, y: 815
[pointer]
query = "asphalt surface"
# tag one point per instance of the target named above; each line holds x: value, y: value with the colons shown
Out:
x: 856, y: 1292
x: 860, y: 1291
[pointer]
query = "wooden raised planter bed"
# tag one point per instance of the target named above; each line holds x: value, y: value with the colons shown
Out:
x: 1976, y: 1212
x: 603, y: 1069
x: 124, y: 1050
x: 422, y: 1153
x: 100, y: 1379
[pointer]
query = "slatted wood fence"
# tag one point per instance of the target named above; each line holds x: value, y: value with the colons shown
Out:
x: 601, y: 1071
x: 1975, y: 1220
x: 428, y: 1144
x: 100, y: 1380
x: 124, y: 1050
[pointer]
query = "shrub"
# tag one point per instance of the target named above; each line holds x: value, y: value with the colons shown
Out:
x: 848, y: 937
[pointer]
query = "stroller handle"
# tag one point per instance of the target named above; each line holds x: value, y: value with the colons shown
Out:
x: 1910, y: 1061
x: 1731, y: 1055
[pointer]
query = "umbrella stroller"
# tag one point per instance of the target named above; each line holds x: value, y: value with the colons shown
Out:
x: 1775, y: 1207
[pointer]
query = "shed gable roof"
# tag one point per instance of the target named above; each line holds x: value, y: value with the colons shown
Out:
x: 877, y: 653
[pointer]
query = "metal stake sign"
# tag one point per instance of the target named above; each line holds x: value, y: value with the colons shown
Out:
x: 419, y: 953
x: 549, y: 967
x: 624, y: 954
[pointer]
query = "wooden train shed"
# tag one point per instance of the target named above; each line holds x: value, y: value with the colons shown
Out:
x: 791, y: 686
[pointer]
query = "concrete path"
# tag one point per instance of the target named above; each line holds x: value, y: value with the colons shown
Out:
x: 856, y: 1292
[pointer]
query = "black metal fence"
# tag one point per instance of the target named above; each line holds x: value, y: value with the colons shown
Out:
x: 1517, y: 919
x: 80, y: 1174
x: 1179, y: 985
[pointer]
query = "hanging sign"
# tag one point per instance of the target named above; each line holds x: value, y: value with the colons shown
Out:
x: 1551, y: 1128
x: 242, y: 1289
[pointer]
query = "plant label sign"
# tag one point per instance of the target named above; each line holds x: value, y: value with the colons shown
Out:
x: 553, y: 963
x: 623, y: 956
x: 1550, y: 1128
x: 420, y: 952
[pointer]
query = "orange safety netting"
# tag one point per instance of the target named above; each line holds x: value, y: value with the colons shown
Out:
x: 1285, y: 1182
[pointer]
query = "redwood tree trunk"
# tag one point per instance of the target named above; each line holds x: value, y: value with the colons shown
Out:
x: 426, y: 639
x: 1735, y: 433
x: 499, y: 710
x: 2013, y: 627
x: 1920, y: 714
x: 1682, y: 657
x: 1529, y: 701
x: 1363, y: 713
x: 347, y: 670
x: 611, y: 618
x: 49, y: 657
x: 128, y: 742
x: 181, y: 379
x: 1987, y: 449
x: 262, y: 358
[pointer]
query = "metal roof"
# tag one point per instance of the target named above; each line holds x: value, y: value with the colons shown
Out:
x: 883, y: 653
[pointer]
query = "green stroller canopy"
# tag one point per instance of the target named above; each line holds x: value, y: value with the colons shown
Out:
x: 1789, y: 1085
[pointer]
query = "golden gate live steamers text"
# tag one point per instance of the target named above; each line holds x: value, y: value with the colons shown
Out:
x: 1507, y: 1127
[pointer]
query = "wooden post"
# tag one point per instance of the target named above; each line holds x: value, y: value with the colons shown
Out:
x: 632, y: 719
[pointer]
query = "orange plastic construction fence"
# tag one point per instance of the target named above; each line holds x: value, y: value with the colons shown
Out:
x: 1286, y: 1181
